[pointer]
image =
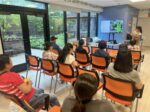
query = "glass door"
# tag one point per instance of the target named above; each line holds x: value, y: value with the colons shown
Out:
x: 12, y: 37
x: 36, y: 34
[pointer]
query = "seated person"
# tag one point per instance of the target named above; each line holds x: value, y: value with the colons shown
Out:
x: 48, y: 53
x: 137, y: 37
x: 80, y: 48
x: 13, y: 83
x: 85, y: 88
x: 66, y: 55
x: 53, y: 42
x: 101, y: 52
x: 133, y: 46
x: 123, y: 67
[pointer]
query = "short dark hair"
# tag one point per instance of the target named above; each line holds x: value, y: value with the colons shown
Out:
x: 81, y: 42
x: 123, y: 61
x: 47, y: 45
x: 132, y: 42
x: 102, y: 44
x: 140, y: 29
x: 4, y: 59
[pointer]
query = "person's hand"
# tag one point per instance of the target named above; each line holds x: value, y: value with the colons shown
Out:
x: 28, y: 81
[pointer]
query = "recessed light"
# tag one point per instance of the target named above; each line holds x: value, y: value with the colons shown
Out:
x: 137, y: 0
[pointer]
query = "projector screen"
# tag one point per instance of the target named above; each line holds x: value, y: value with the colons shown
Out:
x: 112, y: 26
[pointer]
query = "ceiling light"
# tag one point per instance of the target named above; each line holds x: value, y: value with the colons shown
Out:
x: 137, y: 0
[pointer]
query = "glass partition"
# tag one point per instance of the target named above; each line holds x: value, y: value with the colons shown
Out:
x: 93, y: 25
x: 83, y: 25
x: 56, y: 20
x: 72, y: 26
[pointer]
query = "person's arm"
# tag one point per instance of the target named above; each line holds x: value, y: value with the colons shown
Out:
x: 74, y: 64
x: 26, y: 87
x: 139, y: 85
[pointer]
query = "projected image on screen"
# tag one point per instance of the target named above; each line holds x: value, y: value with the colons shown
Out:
x: 116, y: 26
x: 112, y: 26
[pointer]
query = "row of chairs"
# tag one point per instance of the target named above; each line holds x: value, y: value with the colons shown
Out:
x: 117, y: 90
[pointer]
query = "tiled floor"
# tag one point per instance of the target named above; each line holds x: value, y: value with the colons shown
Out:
x: 63, y: 90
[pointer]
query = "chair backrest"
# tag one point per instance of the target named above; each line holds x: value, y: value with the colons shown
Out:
x: 136, y: 55
x: 91, y: 72
x: 82, y: 58
x: 23, y: 104
x: 87, y: 49
x: 66, y: 70
x: 99, y: 63
x: 93, y: 49
x: 33, y: 61
x: 119, y: 88
x: 112, y: 52
x: 47, y: 65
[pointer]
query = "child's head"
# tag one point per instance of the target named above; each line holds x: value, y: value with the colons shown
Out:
x: 132, y: 42
x: 81, y: 42
x: 48, y: 46
x: 5, y: 63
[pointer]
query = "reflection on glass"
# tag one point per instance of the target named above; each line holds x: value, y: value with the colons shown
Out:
x: 36, y: 31
x: 12, y: 37
x: 23, y: 3
x: 72, y: 26
x: 56, y: 19
x: 83, y: 25
x: 93, y: 25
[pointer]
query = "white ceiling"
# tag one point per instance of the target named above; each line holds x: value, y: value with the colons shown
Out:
x: 107, y: 3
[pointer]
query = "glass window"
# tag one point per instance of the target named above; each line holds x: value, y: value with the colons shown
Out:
x: 56, y: 19
x: 12, y: 38
x: 23, y: 3
x: 72, y: 26
x: 93, y: 25
x: 83, y: 25
x: 36, y: 33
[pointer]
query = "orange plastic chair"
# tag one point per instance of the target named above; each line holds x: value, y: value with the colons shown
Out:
x: 113, y: 53
x: 121, y: 91
x: 93, y: 49
x: 99, y: 63
x: 48, y: 68
x: 136, y: 57
x: 55, y: 109
x: 33, y: 63
x: 87, y: 49
x: 82, y: 59
x: 91, y: 72
x: 66, y: 72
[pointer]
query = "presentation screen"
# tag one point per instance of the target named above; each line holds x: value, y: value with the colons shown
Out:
x: 112, y: 26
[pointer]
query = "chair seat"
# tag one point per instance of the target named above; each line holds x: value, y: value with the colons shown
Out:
x: 67, y: 79
x: 34, y: 68
x: 98, y: 69
x: 48, y: 73
x: 100, y: 85
x: 84, y: 65
x: 55, y: 109
x: 127, y: 103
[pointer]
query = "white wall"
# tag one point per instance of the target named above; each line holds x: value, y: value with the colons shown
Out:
x: 1, y: 51
x: 145, y: 23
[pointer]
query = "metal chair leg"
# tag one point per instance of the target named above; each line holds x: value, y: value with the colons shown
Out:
x: 137, y: 102
x: 36, y: 78
x: 39, y: 79
x: 55, y: 84
x: 51, y: 84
